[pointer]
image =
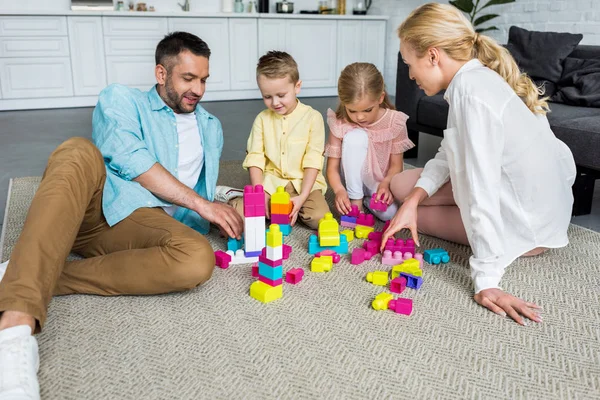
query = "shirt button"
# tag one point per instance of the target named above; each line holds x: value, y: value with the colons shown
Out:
x: 283, y: 152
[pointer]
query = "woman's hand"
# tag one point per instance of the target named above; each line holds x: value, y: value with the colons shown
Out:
x: 405, y: 218
x: 342, y: 202
x: 505, y: 304
x: 384, y: 194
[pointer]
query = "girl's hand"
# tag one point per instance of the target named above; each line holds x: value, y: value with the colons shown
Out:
x: 267, y: 205
x: 384, y: 194
x: 297, y: 201
x: 503, y: 303
x: 405, y: 218
x: 342, y: 202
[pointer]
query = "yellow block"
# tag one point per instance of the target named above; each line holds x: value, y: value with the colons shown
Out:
x: 410, y: 266
x: 274, y: 236
x: 321, y: 264
x: 381, y: 301
x: 379, y: 278
x: 362, y: 232
x: 265, y: 293
x: 280, y: 196
x: 329, y: 231
x: 349, y: 234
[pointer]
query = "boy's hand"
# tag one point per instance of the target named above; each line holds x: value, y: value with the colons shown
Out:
x: 503, y: 303
x: 342, y: 202
x: 267, y: 205
x: 297, y: 201
x: 384, y: 194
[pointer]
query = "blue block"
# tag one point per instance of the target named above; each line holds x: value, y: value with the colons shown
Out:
x: 351, y: 220
x: 285, y: 229
x: 313, y: 245
x: 234, y: 245
x: 436, y: 256
x: 412, y: 281
x: 272, y: 273
x: 252, y: 253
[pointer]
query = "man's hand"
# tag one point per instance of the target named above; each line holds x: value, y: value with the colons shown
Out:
x: 504, y: 304
x: 224, y: 216
x: 297, y: 202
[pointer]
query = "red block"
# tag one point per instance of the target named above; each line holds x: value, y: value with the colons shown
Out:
x: 397, y: 285
x: 255, y: 270
x: 271, y: 263
x: 294, y: 275
x: 287, y: 250
x: 269, y: 281
x: 280, y: 219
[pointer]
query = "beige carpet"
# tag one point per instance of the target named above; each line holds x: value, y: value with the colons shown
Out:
x: 322, y: 340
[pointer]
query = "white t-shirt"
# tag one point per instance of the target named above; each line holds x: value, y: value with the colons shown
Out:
x: 191, y: 153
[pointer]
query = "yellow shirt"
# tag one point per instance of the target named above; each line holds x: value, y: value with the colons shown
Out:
x: 283, y: 145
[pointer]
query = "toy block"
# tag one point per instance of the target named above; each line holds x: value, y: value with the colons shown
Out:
x: 267, y: 261
x: 328, y: 231
x: 382, y: 301
x: 281, y: 208
x: 286, y: 251
x: 389, y: 258
x: 360, y: 255
x: 366, y: 220
x: 270, y: 282
x: 254, y: 236
x: 321, y: 264
x: 274, y: 253
x: 419, y: 258
x: 255, y: 270
x: 254, y: 201
x: 371, y: 246
x: 376, y: 236
x: 379, y: 278
x: 285, y: 229
x: 436, y: 256
x: 397, y: 285
x: 234, y: 244
x: 348, y: 222
x: 401, y: 306
x: 349, y: 235
x: 401, y: 245
x: 280, y: 219
x: 353, y: 211
x: 269, y: 272
x: 264, y: 292
x: 222, y: 259
x: 335, y: 256
x: 413, y: 282
x: 362, y: 232
x: 410, y: 266
x: 274, y: 236
x: 280, y: 196
x: 377, y: 205
x: 313, y: 245
x: 240, y: 258
x: 294, y: 275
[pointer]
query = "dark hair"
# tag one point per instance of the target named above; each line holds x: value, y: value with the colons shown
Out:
x: 175, y: 43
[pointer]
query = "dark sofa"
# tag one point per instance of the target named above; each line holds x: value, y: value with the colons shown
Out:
x: 578, y: 127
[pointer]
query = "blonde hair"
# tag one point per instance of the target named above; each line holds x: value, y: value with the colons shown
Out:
x: 356, y: 81
x: 278, y: 64
x: 445, y: 27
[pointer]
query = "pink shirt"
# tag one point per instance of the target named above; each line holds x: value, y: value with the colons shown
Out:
x: 387, y: 136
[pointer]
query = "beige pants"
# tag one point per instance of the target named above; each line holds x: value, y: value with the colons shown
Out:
x: 314, y: 208
x: 149, y: 252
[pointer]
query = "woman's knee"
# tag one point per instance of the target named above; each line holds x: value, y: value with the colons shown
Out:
x: 404, y: 182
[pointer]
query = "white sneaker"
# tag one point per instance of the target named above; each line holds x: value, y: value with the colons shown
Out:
x: 225, y: 194
x: 19, y: 363
x: 3, y: 267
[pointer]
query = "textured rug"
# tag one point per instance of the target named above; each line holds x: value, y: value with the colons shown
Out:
x: 322, y: 339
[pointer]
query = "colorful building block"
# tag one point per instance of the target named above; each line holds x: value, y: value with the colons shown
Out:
x: 375, y: 236
x: 354, y: 212
x: 379, y: 278
x: 274, y: 253
x: 410, y: 266
x: 234, y: 244
x: 348, y: 222
x: 255, y: 270
x: 285, y: 229
x: 377, y: 205
x: 265, y: 293
x: 436, y: 256
x: 401, y: 245
x: 280, y: 219
x: 366, y: 220
x: 274, y: 236
x: 401, y: 306
x: 254, y: 235
x: 276, y: 262
x: 222, y: 259
x: 389, y: 258
x: 397, y: 285
x: 285, y: 209
x: 280, y: 196
x: 314, y: 248
x: 362, y: 232
x: 240, y: 258
x: 294, y: 275
x: 329, y: 234
x: 334, y: 256
x: 360, y: 255
x: 254, y: 201
x: 321, y: 264
x: 349, y: 235
x: 270, y: 282
x: 286, y: 251
x: 371, y: 246
x: 413, y: 282
x: 269, y: 272
x: 382, y: 301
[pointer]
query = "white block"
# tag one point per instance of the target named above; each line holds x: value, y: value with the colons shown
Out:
x: 239, y: 258
x: 254, y: 233
x: 274, y: 253
x: 259, y: 233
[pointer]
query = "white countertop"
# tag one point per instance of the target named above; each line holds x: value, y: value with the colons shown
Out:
x: 190, y: 14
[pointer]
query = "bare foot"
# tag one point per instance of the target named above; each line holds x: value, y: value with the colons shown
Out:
x: 535, y: 252
x: 358, y: 203
x: 16, y: 318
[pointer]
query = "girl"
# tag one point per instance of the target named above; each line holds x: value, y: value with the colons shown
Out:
x: 366, y: 142
x: 501, y: 181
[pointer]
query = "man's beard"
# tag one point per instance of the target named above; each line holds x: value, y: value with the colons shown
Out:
x: 175, y: 100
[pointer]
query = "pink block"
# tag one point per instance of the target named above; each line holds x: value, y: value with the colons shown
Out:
x: 254, y: 195
x: 377, y: 236
x: 294, y: 275
x: 401, y: 306
x: 401, y: 245
x: 250, y: 211
x: 419, y: 257
x: 271, y: 263
x: 347, y: 224
x: 280, y: 219
x: 397, y: 285
x: 255, y: 270
x: 365, y: 220
x: 354, y: 211
x: 390, y: 258
x: 359, y: 256
x: 334, y: 256
x: 371, y: 246
x: 269, y: 281
x: 385, y: 226
x: 377, y: 205
x: 287, y: 250
x: 222, y: 259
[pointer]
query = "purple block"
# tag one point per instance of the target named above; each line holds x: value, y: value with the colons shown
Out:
x: 412, y: 281
x: 252, y: 253
x: 280, y: 219
x: 346, y: 218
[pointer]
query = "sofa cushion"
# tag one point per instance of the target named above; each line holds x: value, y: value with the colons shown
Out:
x: 580, y: 83
x: 541, y: 54
x: 433, y: 111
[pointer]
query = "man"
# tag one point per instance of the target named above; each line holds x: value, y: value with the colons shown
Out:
x: 135, y: 205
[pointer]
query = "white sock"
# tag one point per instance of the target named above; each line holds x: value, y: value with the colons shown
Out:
x: 19, y: 363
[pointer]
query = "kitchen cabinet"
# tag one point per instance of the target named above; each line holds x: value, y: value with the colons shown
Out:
x: 23, y: 78
x: 243, y: 53
x: 87, y: 55
x: 361, y: 41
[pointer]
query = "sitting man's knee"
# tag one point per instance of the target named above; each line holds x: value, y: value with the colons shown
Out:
x: 80, y: 148
x: 193, y: 266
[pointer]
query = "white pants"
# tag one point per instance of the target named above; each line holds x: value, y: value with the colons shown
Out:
x: 354, y: 155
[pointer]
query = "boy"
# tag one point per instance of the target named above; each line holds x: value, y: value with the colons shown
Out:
x: 286, y: 144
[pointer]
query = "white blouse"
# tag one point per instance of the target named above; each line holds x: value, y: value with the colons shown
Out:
x: 511, y: 177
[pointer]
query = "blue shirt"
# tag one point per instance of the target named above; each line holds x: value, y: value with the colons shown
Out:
x: 134, y: 130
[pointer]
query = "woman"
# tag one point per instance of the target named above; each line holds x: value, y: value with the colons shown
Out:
x: 501, y: 181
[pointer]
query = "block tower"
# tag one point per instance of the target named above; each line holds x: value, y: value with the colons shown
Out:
x: 281, y: 207
x: 269, y: 287
x: 254, y: 220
